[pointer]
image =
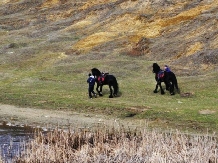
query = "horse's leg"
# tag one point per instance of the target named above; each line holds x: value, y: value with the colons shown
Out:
x: 171, y: 89
x: 99, y: 92
x: 167, y: 86
x: 155, y: 90
x: 161, y: 89
x: 176, y: 85
x: 111, y: 92
x: 115, y: 87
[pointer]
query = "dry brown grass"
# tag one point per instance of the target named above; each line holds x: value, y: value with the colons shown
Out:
x: 1, y: 159
x: 110, y: 145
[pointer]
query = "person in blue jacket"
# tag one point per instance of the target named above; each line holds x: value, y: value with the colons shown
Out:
x: 91, y: 82
x: 166, y: 68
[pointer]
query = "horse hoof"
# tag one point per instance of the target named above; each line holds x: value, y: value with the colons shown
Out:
x: 172, y: 93
x: 162, y: 93
x: 110, y: 96
x: 155, y: 91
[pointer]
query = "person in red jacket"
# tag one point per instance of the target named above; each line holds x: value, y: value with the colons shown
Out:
x: 91, y: 82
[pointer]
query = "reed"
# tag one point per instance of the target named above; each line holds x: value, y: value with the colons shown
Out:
x: 1, y: 159
x: 120, y: 145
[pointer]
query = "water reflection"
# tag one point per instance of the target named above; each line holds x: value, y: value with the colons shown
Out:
x: 13, y: 139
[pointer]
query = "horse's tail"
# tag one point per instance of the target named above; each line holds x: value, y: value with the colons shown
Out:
x: 175, y: 82
x: 116, y: 86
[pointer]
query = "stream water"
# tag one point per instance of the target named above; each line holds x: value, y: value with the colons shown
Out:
x: 13, y: 140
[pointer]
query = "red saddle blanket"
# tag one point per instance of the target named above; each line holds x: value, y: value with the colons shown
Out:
x: 160, y: 74
x: 101, y: 78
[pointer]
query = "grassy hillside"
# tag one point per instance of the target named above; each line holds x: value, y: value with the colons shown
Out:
x: 48, y: 47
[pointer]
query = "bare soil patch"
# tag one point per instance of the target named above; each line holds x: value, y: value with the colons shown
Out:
x: 207, y: 111
x: 52, y: 118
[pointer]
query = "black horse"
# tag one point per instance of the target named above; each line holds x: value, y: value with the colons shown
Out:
x: 169, y: 78
x: 105, y: 79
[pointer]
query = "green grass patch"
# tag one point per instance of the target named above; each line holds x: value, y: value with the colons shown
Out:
x: 50, y: 82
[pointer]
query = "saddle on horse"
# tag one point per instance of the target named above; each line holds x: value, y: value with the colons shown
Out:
x: 160, y: 74
x: 102, y: 77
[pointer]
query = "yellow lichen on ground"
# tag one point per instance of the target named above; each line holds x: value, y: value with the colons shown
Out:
x: 151, y: 29
x: 184, y: 16
x: 8, y: 1
x: 60, y: 15
x: 154, y: 28
x: 194, y: 48
x: 4, y: 1
x: 91, y: 3
x: 49, y: 3
x: 93, y: 40
x: 125, y: 23
x: 134, y: 38
x: 132, y: 28
x: 129, y: 4
x: 85, y: 23
x: 79, y: 25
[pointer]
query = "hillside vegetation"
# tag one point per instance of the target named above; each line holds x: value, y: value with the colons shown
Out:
x: 49, y: 46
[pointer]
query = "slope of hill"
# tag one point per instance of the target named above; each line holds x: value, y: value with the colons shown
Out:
x: 183, y: 32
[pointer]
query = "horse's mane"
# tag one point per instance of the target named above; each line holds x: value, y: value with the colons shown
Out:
x: 156, y: 68
x: 96, y: 72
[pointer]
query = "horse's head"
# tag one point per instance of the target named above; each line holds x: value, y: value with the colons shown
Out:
x: 156, y: 68
x: 96, y: 72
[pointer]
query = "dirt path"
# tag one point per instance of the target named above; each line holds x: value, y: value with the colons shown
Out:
x: 50, y: 118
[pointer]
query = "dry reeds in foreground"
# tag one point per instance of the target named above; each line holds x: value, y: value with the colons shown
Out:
x: 110, y: 145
